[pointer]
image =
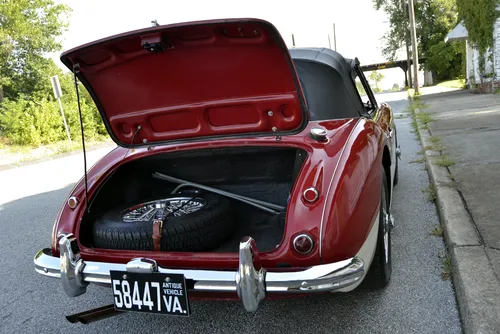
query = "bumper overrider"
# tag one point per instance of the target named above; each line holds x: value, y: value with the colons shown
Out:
x: 251, y: 282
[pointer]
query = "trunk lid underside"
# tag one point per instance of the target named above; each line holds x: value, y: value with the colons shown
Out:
x: 195, y: 80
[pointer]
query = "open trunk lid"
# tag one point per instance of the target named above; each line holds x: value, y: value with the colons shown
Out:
x: 193, y: 80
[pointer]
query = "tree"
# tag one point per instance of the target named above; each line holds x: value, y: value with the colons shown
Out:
x: 376, y: 78
x: 29, y: 114
x: 433, y: 19
x: 479, y: 18
x: 28, y: 31
x: 359, y: 86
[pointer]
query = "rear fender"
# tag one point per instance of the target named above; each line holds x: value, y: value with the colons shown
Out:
x: 353, y: 198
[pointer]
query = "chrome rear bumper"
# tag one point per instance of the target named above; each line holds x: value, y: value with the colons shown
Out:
x: 250, y: 281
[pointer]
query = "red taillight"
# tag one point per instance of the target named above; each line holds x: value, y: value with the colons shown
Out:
x: 303, y: 244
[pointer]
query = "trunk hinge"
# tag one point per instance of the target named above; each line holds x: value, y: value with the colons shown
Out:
x: 76, y: 69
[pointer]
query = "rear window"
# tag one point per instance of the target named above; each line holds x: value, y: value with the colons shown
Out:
x: 325, y: 91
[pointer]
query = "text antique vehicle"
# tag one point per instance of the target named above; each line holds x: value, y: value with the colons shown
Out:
x: 243, y: 170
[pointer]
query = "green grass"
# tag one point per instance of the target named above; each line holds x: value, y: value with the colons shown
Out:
x: 447, y: 272
x: 437, y: 231
x: 435, y: 144
x: 444, y: 161
x: 435, y: 140
x: 431, y: 192
x: 458, y: 83
x: 421, y: 160
x: 17, y: 149
x: 412, y: 94
x: 438, y: 148
x: 424, y: 118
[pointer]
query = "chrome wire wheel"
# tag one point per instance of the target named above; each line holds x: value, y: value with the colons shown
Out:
x: 174, y: 206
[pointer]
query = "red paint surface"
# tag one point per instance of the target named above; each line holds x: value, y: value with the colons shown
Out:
x: 351, y: 175
x: 214, y: 78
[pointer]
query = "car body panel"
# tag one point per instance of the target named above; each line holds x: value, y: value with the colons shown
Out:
x: 317, y: 170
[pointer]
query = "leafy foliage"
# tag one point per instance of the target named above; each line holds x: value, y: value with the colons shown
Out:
x: 398, y: 23
x: 479, y: 17
x: 359, y: 86
x: 434, y: 19
x: 29, y: 114
x: 29, y: 30
x: 376, y: 78
x: 37, y: 119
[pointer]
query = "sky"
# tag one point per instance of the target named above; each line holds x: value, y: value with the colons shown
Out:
x: 359, y: 27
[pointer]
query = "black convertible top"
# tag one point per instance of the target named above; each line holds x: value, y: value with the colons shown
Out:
x: 328, y: 81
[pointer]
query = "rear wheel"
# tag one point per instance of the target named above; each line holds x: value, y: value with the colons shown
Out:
x: 380, y: 271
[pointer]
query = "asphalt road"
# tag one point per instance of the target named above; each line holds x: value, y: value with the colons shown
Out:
x: 418, y: 300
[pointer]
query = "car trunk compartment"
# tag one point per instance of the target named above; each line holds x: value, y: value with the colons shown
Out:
x: 264, y: 173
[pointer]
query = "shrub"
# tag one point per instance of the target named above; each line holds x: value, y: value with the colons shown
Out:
x: 37, y: 120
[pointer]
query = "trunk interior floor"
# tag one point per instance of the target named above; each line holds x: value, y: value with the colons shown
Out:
x: 265, y: 228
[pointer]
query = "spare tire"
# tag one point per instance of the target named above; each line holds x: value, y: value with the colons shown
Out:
x: 203, y: 222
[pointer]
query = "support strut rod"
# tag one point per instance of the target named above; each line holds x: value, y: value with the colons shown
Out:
x: 266, y: 206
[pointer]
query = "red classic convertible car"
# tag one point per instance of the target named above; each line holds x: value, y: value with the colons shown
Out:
x: 244, y: 170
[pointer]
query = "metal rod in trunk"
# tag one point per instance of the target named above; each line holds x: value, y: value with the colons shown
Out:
x: 266, y: 206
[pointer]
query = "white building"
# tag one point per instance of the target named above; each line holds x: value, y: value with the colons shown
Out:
x: 491, y: 79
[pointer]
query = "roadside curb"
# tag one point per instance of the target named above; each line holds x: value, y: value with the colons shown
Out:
x: 477, y: 287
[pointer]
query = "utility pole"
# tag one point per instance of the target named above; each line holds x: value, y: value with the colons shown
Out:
x: 334, y: 38
x: 414, y: 46
x: 329, y: 43
x: 293, y: 40
x: 409, y: 81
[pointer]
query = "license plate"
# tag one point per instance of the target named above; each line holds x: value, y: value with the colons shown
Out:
x: 151, y: 293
